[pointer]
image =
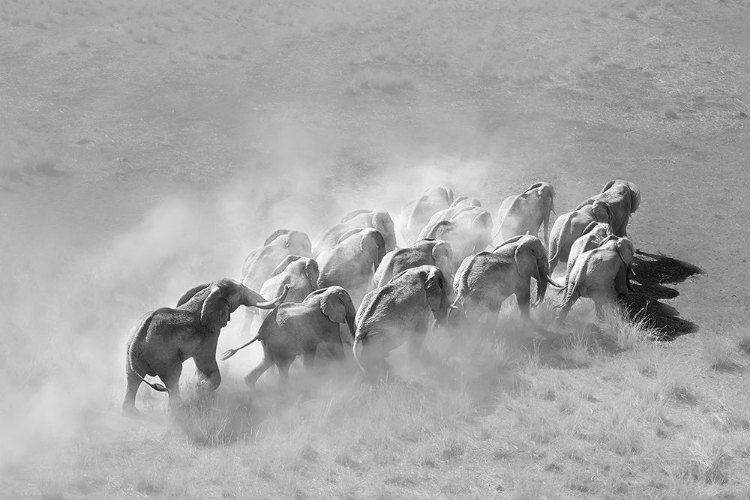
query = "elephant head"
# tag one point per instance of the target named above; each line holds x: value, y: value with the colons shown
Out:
x: 601, y: 211
x: 373, y: 245
x: 436, y: 287
x: 634, y: 191
x: 624, y: 248
x: 545, y: 193
x: 297, y: 242
x: 442, y: 254
x: 220, y: 298
x: 603, y: 228
x: 465, y: 202
x: 337, y: 305
x: 440, y: 192
x: 308, y: 265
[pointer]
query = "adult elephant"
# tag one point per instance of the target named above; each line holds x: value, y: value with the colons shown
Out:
x: 459, y: 205
x: 526, y: 212
x: 468, y: 231
x: 167, y: 337
x: 352, y: 262
x: 396, y: 313
x: 298, y: 274
x: 617, y: 200
x: 436, y: 253
x: 359, y: 219
x: 260, y: 264
x: 600, y: 274
x: 295, y: 329
x: 416, y: 214
x: 485, y: 280
x: 568, y: 228
x: 592, y: 237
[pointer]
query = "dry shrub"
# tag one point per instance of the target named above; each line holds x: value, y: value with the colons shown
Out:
x: 719, y: 353
x: 627, y: 334
x: 707, y: 459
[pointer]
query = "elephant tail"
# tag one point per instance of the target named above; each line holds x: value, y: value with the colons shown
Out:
x: 357, y: 351
x: 131, y: 353
x: 231, y: 352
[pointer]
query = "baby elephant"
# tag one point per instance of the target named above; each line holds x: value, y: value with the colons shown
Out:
x: 399, y: 312
x: 298, y: 328
x: 600, y: 274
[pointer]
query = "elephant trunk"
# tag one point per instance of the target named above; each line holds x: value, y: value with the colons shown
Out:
x: 251, y: 298
x: 350, y: 322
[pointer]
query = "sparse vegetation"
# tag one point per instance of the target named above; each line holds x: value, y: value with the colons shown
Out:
x: 138, y: 159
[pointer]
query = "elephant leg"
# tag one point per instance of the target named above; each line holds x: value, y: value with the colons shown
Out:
x: 209, y: 373
x: 252, y: 377
x: 133, y: 383
x: 308, y: 359
x: 416, y: 339
x: 283, y: 373
x: 171, y: 379
x: 523, y: 297
x: 337, y: 350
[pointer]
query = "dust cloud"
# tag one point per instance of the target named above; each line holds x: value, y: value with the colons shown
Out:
x: 67, y: 311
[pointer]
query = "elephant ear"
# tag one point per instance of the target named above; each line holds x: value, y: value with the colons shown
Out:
x: 282, y: 265
x: 191, y: 293
x: 215, y: 310
x: 383, y: 222
x: 435, y: 285
x: 590, y: 227
x: 534, y: 186
x: 312, y: 272
x: 373, y: 244
x: 442, y: 253
x: 635, y: 197
x: 349, y: 233
x: 332, y: 306
x: 608, y: 185
x: 609, y: 238
x: 274, y: 235
x: 449, y: 194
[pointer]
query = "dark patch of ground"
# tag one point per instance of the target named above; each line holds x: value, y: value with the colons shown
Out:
x: 652, y: 273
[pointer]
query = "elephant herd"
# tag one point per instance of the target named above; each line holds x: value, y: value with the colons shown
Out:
x: 355, y: 275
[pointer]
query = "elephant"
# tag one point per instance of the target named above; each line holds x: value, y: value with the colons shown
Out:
x: 485, y: 280
x: 259, y: 264
x: 297, y: 328
x: 567, y: 229
x: 459, y: 204
x: 379, y: 220
x: 396, y: 313
x: 525, y: 213
x: 600, y: 274
x: 300, y: 274
x: 620, y: 199
x: 436, y: 253
x: 468, y: 231
x: 165, y: 338
x: 352, y: 263
x: 416, y: 214
x: 592, y: 236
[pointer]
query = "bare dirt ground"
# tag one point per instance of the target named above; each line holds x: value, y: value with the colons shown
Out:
x: 148, y: 147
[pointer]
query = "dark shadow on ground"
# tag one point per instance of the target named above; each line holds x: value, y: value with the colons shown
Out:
x: 652, y: 273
